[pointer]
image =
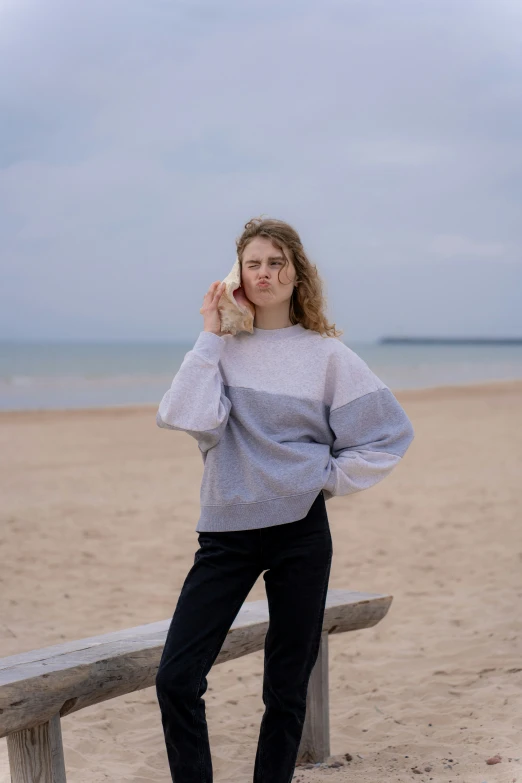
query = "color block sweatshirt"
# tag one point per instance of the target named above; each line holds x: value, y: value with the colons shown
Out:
x: 280, y: 415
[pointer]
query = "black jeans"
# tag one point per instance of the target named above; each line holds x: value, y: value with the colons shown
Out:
x: 296, y: 558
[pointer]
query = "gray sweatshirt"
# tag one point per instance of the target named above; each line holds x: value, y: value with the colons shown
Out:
x: 280, y: 415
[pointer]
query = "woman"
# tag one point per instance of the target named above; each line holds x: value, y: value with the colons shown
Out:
x: 285, y: 418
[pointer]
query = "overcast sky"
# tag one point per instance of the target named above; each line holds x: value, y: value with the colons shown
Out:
x: 137, y: 137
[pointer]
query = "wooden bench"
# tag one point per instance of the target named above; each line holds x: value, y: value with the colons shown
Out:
x: 40, y: 687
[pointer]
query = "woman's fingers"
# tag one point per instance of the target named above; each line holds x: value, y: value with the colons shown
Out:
x: 214, y: 293
x: 217, y: 292
x: 210, y: 291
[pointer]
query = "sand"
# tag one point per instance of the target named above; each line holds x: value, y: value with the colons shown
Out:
x: 99, y: 510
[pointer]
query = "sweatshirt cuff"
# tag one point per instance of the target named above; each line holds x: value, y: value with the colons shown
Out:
x: 210, y: 346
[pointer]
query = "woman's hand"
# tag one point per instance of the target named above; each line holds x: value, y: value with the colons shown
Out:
x: 209, y: 310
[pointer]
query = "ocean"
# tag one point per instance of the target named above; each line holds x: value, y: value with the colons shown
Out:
x: 47, y: 375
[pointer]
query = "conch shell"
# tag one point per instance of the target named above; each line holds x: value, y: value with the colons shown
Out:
x: 236, y: 315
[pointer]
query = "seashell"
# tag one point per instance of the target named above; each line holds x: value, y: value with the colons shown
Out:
x: 235, y: 316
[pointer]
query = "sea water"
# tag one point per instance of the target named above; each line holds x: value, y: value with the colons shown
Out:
x: 51, y: 375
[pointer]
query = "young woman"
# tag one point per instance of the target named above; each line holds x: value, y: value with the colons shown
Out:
x: 285, y: 419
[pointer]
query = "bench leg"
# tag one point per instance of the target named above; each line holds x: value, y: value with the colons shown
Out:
x: 36, y: 755
x: 315, y: 741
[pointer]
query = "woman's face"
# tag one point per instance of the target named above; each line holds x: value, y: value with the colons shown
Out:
x: 263, y: 262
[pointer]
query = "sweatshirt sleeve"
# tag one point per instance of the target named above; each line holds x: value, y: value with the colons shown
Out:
x: 196, y: 401
x: 371, y: 430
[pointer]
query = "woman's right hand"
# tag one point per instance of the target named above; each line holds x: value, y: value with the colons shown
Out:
x: 209, y: 309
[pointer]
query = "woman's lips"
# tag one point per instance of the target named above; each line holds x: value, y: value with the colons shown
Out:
x: 263, y: 285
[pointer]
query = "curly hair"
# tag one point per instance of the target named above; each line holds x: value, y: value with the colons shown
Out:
x: 307, y: 303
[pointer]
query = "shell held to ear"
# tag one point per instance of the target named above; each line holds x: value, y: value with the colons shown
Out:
x: 235, y: 316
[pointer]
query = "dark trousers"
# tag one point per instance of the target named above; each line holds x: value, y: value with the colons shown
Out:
x: 296, y: 559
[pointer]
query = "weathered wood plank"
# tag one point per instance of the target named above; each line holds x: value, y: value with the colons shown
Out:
x: 61, y: 679
x: 36, y: 754
x: 43, y: 653
x: 315, y: 740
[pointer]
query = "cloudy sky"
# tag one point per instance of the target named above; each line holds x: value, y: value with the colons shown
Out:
x: 137, y: 137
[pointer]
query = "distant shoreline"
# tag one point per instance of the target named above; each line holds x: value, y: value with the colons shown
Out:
x: 433, y: 393
x: 451, y: 340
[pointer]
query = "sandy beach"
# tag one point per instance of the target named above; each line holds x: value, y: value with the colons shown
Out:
x: 98, y: 517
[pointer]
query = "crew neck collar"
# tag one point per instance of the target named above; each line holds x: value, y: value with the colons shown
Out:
x: 278, y: 334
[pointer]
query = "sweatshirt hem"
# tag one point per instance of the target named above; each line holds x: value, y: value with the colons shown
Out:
x: 260, y: 514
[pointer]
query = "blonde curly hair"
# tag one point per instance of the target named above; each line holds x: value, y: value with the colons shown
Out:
x: 307, y: 303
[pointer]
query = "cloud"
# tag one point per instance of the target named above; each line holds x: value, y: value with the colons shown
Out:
x: 140, y: 136
x: 457, y: 247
